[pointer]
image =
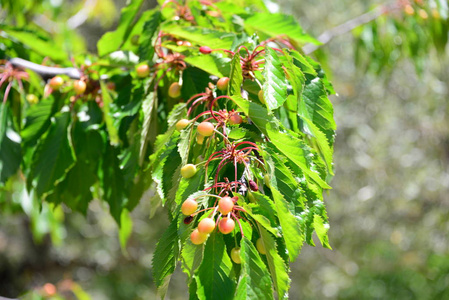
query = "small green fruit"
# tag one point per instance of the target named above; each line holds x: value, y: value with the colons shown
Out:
x: 188, y: 171
x: 235, y: 255
x: 260, y: 246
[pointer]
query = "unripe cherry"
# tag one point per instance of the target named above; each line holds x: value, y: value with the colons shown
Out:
x: 187, y: 44
x: 205, y: 50
x: 266, y: 180
x: 32, y: 99
x: 174, y: 91
x: 135, y: 39
x: 261, y: 96
x: 251, y: 197
x: 235, y: 119
x: 260, y: 246
x: 226, y: 225
x: 188, y: 171
x: 200, y: 139
x: 189, y: 206
x: 222, y: 83
x: 181, y: 124
x: 225, y: 205
x: 206, y: 128
x: 179, y: 43
x: 197, y: 237
x: 142, y: 70
x: 235, y: 255
x: 79, y: 86
x: 56, y: 82
x: 206, y: 225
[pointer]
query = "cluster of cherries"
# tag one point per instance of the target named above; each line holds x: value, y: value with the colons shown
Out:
x: 225, y: 212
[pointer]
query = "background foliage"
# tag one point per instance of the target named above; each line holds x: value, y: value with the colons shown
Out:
x: 388, y: 207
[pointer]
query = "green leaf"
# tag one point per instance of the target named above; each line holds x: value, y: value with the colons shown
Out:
x: 292, y: 234
x: 236, y: 77
x: 215, y: 276
x: 53, y: 157
x: 213, y: 63
x: 107, y: 101
x: 112, y: 40
x: 289, y: 145
x: 269, y: 25
x: 202, y: 36
x: 261, y: 219
x: 191, y: 258
x: 36, y: 43
x: 255, y: 280
x: 10, y: 148
x: 126, y: 228
x: 75, y: 190
x: 321, y: 230
x: 160, y: 158
x: 275, y: 85
x: 113, y: 182
x: 276, y: 265
x: 165, y: 257
x: 316, y: 107
x: 193, y: 82
x: 146, y: 49
x: 147, y: 108
x: 37, y: 120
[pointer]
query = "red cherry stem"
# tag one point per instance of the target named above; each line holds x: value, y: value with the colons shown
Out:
x: 240, y: 225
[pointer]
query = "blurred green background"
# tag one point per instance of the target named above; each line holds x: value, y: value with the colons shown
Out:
x: 388, y: 210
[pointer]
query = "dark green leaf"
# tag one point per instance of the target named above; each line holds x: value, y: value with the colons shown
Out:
x: 146, y: 48
x: 276, y: 265
x: 113, y: 182
x: 255, y: 280
x: 215, y: 278
x: 53, y: 157
x: 10, y: 149
x: 165, y: 257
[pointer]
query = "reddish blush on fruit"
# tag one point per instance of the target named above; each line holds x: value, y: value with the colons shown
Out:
x: 206, y: 225
x: 235, y: 119
x: 197, y: 237
x: 205, y: 50
x: 206, y: 128
x: 222, y: 83
x: 142, y: 70
x: 226, y: 225
x: 188, y: 207
x: 56, y: 82
x: 79, y: 86
x: 225, y: 205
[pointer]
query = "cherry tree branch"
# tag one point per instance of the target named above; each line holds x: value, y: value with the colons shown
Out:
x: 348, y: 26
x: 44, y: 71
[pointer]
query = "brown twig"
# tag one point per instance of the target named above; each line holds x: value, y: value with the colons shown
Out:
x: 44, y: 71
x: 346, y: 27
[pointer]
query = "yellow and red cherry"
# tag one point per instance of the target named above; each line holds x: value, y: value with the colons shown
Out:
x: 188, y: 207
